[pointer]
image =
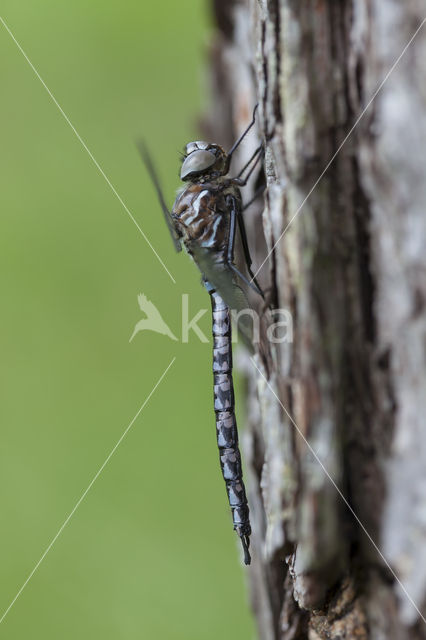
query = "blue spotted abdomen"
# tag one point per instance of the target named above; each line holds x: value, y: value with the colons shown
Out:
x: 226, y: 424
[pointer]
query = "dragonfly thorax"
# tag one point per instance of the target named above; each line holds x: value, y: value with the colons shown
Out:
x: 203, y: 160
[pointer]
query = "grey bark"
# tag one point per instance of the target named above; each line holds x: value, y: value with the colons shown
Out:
x: 351, y: 269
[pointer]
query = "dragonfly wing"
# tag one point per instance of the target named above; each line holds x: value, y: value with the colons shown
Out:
x: 147, y: 160
x: 221, y: 278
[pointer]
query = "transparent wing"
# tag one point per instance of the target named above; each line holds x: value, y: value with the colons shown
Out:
x: 146, y: 159
x: 221, y: 278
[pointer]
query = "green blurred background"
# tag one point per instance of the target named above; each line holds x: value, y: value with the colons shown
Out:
x: 150, y: 552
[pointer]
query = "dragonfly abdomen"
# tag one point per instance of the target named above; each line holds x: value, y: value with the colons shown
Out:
x: 226, y: 424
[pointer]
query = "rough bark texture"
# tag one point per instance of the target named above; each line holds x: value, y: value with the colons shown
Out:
x: 351, y: 269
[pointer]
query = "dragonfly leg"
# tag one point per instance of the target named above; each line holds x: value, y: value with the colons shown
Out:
x: 240, y: 139
x: 237, y: 214
x: 248, y: 282
x: 241, y: 182
x: 231, y: 238
x: 246, y: 251
x: 247, y: 164
x: 257, y: 193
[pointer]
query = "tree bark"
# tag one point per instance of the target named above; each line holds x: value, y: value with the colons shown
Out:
x: 346, y: 183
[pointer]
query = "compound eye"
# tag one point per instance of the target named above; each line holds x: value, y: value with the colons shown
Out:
x: 197, y: 162
x: 195, y: 146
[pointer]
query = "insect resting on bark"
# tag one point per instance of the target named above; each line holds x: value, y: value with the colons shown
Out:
x: 204, y: 218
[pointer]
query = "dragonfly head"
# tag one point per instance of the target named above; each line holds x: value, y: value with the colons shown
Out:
x: 203, y: 160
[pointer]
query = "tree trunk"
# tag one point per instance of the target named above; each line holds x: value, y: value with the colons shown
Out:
x: 335, y: 451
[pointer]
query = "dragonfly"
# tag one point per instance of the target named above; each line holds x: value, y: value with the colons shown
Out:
x: 204, y: 219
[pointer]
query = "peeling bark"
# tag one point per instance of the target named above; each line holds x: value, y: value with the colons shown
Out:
x: 351, y: 269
